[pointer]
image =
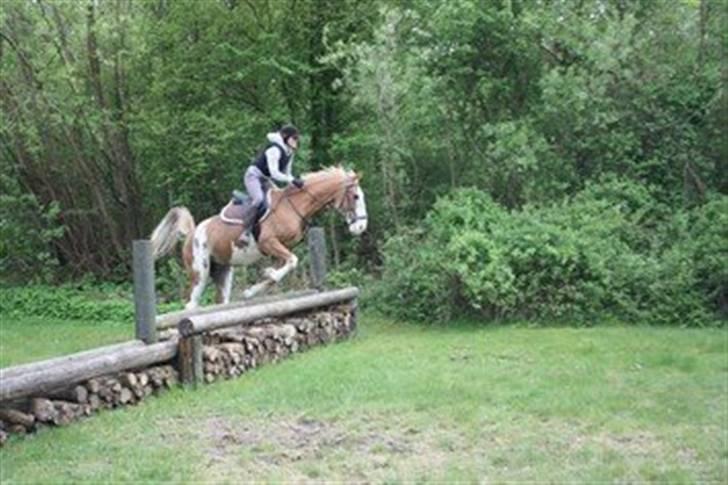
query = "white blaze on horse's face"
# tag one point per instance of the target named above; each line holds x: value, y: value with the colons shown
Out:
x: 358, y: 219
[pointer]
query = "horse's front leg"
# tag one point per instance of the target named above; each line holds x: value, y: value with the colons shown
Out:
x: 278, y: 250
x: 275, y: 248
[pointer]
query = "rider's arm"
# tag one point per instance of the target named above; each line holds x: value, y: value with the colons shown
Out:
x: 273, y: 155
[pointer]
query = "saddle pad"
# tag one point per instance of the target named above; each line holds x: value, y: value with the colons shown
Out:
x: 233, y: 213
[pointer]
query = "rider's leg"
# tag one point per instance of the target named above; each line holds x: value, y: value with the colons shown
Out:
x: 255, y: 189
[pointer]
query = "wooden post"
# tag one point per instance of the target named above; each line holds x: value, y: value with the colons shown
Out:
x: 145, y: 300
x: 189, y: 360
x: 197, y: 371
x: 354, y: 315
x: 317, y: 253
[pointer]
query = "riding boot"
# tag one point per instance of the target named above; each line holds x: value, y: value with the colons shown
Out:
x: 250, y: 216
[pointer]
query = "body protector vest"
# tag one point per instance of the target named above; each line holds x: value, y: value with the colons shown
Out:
x: 262, y: 163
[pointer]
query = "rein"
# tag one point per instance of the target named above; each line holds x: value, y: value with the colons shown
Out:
x: 349, y: 213
x: 318, y: 201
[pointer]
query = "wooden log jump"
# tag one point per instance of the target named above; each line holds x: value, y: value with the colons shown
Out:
x: 172, y: 319
x: 105, y: 360
x: 238, y: 316
x: 192, y: 327
x: 41, y: 366
x: 85, y: 381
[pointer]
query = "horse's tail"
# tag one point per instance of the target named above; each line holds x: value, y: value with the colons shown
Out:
x: 176, y: 225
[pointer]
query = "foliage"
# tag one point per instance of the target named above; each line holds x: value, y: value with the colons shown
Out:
x: 27, y: 231
x: 583, y: 258
x: 113, y: 110
x: 89, y: 302
x: 694, y: 276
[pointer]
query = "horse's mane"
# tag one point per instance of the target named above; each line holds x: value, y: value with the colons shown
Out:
x: 317, y: 176
x: 326, y: 172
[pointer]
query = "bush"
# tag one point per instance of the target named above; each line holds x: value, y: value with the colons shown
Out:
x: 91, y: 302
x: 414, y: 284
x: 27, y: 229
x: 598, y: 254
x: 693, y: 280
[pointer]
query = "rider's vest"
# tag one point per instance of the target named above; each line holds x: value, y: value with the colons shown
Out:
x: 262, y: 162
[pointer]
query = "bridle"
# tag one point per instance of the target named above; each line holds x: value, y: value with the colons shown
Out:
x: 346, y: 206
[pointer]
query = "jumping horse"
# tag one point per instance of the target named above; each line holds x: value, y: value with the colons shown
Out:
x: 209, y: 249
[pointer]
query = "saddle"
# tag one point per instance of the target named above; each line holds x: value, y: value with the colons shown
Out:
x: 240, y: 212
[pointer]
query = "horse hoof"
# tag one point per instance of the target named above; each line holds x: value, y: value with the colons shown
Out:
x: 270, y: 274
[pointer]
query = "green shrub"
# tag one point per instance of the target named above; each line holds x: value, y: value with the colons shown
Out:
x: 612, y: 250
x: 708, y: 246
x: 413, y: 282
x: 693, y: 281
x: 93, y: 302
x: 27, y: 229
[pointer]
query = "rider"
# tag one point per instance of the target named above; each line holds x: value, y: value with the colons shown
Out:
x: 275, y: 162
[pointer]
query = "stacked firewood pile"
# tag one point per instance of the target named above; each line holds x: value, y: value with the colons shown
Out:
x: 231, y: 352
x: 59, y: 408
x: 226, y: 353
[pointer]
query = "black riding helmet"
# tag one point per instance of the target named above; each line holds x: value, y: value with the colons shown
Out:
x: 288, y: 131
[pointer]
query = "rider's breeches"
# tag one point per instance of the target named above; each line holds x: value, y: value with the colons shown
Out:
x: 254, y: 185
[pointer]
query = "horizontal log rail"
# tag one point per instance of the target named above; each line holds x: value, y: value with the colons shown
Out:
x: 46, y: 379
x: 239, y: 316
x: 172, y: 319
x: 17, y: 370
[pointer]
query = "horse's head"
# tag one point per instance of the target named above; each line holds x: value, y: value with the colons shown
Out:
x: 351, y: 204
x: 338, y: 188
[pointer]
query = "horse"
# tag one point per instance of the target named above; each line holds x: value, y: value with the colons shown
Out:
x: 209, y: 248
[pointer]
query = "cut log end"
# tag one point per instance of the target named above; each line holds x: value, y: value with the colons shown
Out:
x: 185, y: 327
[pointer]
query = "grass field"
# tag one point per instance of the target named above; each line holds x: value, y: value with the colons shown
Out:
x: 40, y: 338
x: 402, y: 402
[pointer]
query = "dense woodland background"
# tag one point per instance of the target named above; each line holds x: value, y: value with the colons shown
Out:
x: 521, y: 158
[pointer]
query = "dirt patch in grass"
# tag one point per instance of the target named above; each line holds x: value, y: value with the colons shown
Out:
x: 378, y: 448
x: 301, y: 448
x: 387, y: 447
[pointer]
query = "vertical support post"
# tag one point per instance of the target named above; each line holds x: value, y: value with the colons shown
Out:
x: 354, y: 316
x: 145, y: 300
x: 317, y: 253
x: 197, y: 370
x: 189, y: 360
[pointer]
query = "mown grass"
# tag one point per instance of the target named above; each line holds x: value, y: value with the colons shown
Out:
x: 39, y: 338
x: 403, y: 402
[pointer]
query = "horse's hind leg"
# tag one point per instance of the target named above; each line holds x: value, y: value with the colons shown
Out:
x: 198, y: 282
x: 199, y: 269
x: 222, y: 275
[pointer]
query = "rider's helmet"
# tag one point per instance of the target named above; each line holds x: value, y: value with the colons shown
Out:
x: 289, y: 131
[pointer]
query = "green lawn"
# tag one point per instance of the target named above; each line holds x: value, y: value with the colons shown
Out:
x: 403, y: 402
x: 40, y: 338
